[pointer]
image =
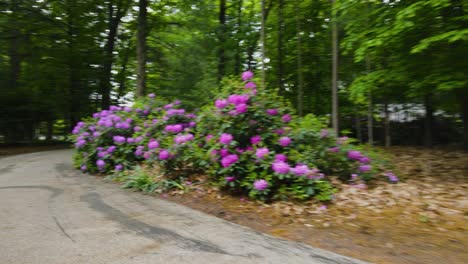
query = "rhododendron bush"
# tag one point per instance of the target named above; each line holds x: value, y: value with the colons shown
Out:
x: 248, y: 141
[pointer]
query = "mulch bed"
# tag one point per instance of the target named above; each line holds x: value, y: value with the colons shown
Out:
x: 422, y: 219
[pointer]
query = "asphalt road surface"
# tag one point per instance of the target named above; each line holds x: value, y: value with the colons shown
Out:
x: 53, y: 214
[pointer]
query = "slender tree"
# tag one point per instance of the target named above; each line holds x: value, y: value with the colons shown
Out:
x: 141, y: 47
x: 300, y: 79
x: 334, y: 71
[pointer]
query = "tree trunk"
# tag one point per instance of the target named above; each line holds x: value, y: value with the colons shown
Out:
x: 334, y: 72
x: 387, y: 126
x: 141, y: 48
x: 50, y: 130
x: 464, y: 114
x: 262, y: 40
x: 300, y: 81
x: 280, y: 47
x: 113, y: 25
x: 428, y: 120
x: 73, y: 68
x: 221, y: 37
x: 123, y: 70
x: 237, y: 64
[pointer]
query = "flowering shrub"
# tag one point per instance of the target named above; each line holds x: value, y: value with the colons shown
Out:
x: 250, y: 145
x: 248, y: 141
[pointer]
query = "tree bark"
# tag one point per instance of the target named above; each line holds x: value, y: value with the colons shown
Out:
x: 300, y: 81
x: 334, y: 72
x: 113, y: 25
x: 141, y: 48
x: 237, y: 63
x: 428, y: 104
x: 387, y: 126
x: 222, y: 39
x: 280, y: 47
x: 464, y: 115
x: 262, y: 41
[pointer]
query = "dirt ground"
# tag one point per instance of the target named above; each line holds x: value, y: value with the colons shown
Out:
x: 422, y: 219
x: 15, y: 150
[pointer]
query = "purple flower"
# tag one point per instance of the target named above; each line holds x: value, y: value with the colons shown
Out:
x: 255, y: 139
x: 262, y: 152
x: 111, y: 149
x: 334, y: 149
x: 192, y: 124
x: 229, y: 160
x: 272, y: 112
x: 96, y: 134
x: 168, y: 106
x: 223, y: 152
x: 354, y: 154
x: 354, y: 177
x: 238, y: 99
x: 127, y: 109
x: 260, y: 185
x: 163, y: 154
x: 284, y: 141
x: 172, y: 112
x: 279, y: 131
x: 130, y: 140
x: 221, y: 103
x: 364, y: 160
x: 342, y: 140
x: 241, y: 108
x: 102, y: 154
x: 137, y: 128
x: 281, y: 157
x: 119, y: 139
x: 300, y: 169
x: 247, y: 75
x: 208, y: 137
x: 174, y: 128
x: 365, y: 168
x: 226, y: 138
x: 250, y: 85
x: 80, y: 143
x: 181, y: 139
x: 153, y: 144
x: 147, y: 155
x: 100, y: 164
x: 83, y: 168
x: 391, y: 177
x: 118, y: 167
x: 324, y: 133
x: 286, y: 118
x: 280, y: 167
x: 151, y: 95
x: 230, y: 178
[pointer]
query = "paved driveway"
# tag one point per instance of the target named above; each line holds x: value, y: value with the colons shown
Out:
x: 50, y: 213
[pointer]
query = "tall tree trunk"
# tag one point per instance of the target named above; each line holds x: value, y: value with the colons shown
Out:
x: 13, y: 54
x: 237, y: 63
x: 428, y: 105
x: 334, y: 72
x: 73, y: 68
x: 123, y: 70
x: 464, y: 113
x: 222, y: 39
x: 280, y: 47
x: 141, y: 48
x: 113, y: 25
x: 50, y: 130
x: 262, y: 41
x: 300, y: 81
x: 388, y: 139
x: 252, y: 46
